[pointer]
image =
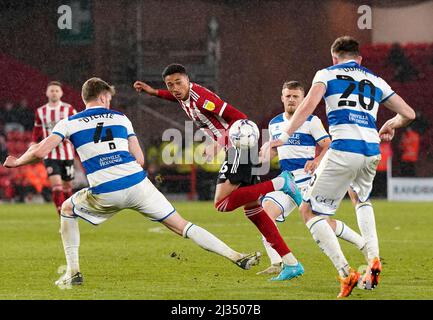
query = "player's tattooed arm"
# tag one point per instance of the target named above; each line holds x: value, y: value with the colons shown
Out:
x: 35, y: 153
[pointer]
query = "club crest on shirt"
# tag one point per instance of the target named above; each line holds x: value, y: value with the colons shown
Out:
x: 208, y: 105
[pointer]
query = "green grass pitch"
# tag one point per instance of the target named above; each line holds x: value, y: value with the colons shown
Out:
x: 130, y: 257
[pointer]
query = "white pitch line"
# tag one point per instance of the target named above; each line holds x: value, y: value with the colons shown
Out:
x: 157, y: 230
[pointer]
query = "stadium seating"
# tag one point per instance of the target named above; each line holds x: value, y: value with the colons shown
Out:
x: 416, y: 92
x: 419, y: 55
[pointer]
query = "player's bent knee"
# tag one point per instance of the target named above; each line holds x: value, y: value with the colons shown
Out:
x: 306, y: 212
x: 272, y: 210
x: 67, y: 208
x: 353, y: 196
x: 362, y: 204
x: 304, y: 208
x: 222, y: 205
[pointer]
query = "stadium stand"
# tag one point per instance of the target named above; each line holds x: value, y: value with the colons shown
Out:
x: 415, y: 91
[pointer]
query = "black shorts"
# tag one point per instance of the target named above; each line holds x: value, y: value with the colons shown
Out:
x: 64, y: 168
x: 237, y: 168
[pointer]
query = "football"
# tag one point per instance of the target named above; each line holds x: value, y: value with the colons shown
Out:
x: 244, y: 134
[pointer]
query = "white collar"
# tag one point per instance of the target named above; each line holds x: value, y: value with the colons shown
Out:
x: 56, y: 106
x: 285, y: 116
x: 347, y: 61
x: 96, y: 107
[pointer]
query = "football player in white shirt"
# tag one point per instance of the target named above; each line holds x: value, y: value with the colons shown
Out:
x: 112, y: 158
x: 352, y: 94
x: 298, y: 155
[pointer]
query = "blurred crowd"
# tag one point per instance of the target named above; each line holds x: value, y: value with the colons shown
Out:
x: 16, y: 122
x: 17, y: 117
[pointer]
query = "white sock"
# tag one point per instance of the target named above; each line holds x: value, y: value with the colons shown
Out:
x: 343, y: 231
x: 278, y: 183
x: 272, y: 254
x: 71, y: 243
x: 209, y: 242
x: 327, y: 240
x: 367, y: 226
x: 290, y: 259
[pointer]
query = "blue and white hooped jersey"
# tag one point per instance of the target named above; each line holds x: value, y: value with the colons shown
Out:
x: 353, y: 94
x: 300, y: 147
x: 100, y: 137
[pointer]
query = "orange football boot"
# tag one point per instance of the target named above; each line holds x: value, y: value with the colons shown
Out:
x: 348, y: 283
x: 371, y: 278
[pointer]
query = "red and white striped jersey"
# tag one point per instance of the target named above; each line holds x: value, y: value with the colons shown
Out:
x: 207, y: 110
x: 46, y: 117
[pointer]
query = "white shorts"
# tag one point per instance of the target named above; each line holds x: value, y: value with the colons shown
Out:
x: 337, y: 171
x: 143, y: 197
x: 283, y: 201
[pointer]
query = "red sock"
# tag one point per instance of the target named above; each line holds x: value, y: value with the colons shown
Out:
x: 58, y: 196
x: 268, y: 229
x: 244, y: 195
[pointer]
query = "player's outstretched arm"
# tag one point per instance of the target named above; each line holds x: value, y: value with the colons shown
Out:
x: 141, y: 86
x: 266, y: 154
x: 135, y: 150
x: 405, y: 115
x: 35, y: 153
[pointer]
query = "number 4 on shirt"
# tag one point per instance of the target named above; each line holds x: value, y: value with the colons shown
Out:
x: 108, y: 137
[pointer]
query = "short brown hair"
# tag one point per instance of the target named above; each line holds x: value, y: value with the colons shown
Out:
x: 54, y: 83
x: 294, y: 85
x: 93, y: 87
x: 345, y: 46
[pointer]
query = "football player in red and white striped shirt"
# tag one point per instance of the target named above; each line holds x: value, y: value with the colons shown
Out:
x: 236, y: 185
x: 60, y: 161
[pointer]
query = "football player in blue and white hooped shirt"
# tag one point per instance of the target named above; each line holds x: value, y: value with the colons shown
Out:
x: 298, y: 155
x: 113, y: 160
x: 352, y: 94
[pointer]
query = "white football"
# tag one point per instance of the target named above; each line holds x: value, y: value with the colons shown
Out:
x: 244, y: 134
